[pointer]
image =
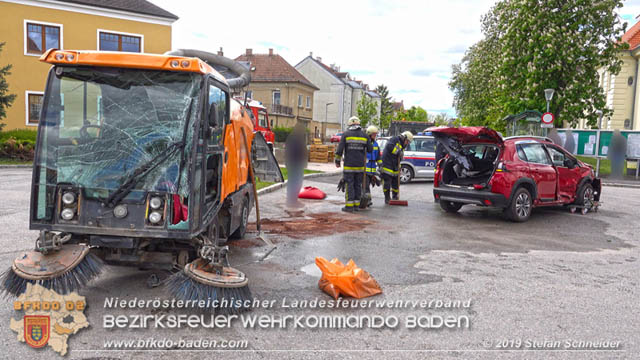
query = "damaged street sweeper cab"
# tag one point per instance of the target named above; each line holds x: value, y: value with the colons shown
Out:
x: 141, y: 160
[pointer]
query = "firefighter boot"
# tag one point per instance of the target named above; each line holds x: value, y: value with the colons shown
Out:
x: 347, y: 209
x: 395, y: 196
x: 386, y: 197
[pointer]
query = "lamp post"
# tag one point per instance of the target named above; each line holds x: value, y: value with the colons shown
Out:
x: 548, y: 95
x: 596, y: 152
x: 326, y: 116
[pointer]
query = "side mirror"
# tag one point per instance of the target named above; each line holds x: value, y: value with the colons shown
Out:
x: 213, y: 115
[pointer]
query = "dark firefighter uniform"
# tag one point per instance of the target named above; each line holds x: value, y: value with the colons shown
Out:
x: 374, y: 160
x: 390, y: 161
x: 354, y: 145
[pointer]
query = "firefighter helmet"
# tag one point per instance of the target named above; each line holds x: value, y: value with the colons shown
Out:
x: 372, y: 129
x: 354, y: 121
x: 408, y: 135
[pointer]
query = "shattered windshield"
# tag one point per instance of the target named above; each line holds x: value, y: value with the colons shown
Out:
x: 102, y: 124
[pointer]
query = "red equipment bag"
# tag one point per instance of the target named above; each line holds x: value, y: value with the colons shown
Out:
x: 310, y: 192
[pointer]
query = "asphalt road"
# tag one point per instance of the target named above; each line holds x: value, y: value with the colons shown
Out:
x: 559, y: 277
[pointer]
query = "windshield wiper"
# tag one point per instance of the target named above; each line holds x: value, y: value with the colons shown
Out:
x: 123, y: 190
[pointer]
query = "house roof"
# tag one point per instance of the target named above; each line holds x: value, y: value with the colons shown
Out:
x: 373, y: 94
x: 632, y: 36
x: 134, y: 6
x: 273, y: 68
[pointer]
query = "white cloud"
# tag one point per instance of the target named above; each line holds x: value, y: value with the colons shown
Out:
x: 406, y: 45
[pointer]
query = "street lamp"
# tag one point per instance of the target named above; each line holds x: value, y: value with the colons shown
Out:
x: 326, y: 115
x: 599, y: 113
x: 548, y: 95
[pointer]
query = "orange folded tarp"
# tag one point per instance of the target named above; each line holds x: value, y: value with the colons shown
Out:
x: 346, y: 280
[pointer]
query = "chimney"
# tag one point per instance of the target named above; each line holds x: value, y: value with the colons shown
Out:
x: 270, y: 52
x: 220, y: 52
x: 249, y: 52
x: 311, y: 54
x: 319, y: 59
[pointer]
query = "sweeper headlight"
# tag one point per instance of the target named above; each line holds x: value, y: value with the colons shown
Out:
x: 68, y: 198
x: 120, y: 211
x: 155, y: 217
x: 67, y: 214
x: 155, y: 203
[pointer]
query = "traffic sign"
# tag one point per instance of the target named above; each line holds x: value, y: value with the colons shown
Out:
x: 547, y: 120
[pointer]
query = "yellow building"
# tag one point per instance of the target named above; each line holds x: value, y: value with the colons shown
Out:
x: 30, y: 27
x: 622, y: 91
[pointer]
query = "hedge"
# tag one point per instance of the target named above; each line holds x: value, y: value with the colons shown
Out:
x: 281, y: 133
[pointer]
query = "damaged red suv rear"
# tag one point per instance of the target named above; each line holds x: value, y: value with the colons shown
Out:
x: 515, y: 174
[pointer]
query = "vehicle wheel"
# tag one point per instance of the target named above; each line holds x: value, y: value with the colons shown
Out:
x: 406, y: 174
x: 244, y: 220
x: 521, y: 205
x: 585, y: 196
x: 450, y: 206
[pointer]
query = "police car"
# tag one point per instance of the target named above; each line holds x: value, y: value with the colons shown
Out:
x: 419, y: 160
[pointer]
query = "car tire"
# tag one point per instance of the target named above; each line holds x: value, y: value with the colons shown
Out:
x: 406, y: 174
x: 244, y: 220
x: 450, y: 206
x: 521, y: 206
x: 584, y: 197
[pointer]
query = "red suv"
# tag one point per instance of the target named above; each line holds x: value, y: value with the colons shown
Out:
x: 515, y: 174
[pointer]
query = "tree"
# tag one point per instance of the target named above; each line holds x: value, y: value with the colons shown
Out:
x: 386, y: 107
x: 366, y: 111
x: 6, y: 99
x: 440, y: 119
x: 531, y: 45
x: 416, y: 113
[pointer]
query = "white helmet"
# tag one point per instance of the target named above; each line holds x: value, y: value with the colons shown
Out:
x: 408, y: 135
x: 353, y: 121
x: 372, y: 129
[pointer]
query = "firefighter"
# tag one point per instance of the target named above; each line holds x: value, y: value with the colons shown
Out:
x: 374, y: 160
x: 354, y: 145
x: 391, y: 157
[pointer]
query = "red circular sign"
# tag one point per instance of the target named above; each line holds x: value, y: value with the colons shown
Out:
x: 547, y: 118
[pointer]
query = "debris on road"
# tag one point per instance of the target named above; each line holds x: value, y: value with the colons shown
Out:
x: 313, y: 225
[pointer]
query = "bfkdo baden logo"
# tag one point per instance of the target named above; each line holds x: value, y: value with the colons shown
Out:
x: 48, y: 317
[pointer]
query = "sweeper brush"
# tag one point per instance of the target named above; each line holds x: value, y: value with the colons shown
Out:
x: 224, y: 287
x: 65, y: 270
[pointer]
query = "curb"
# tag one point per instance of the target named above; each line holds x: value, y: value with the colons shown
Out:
x: 630, y: 186
x: 274, y: 187
x: 16, y: 166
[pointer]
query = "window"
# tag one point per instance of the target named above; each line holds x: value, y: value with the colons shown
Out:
x: 39, y: 37
x: 558, y: 157
x: 219, y: 97
x: 34, y: 105
x: 262, y: 119
x: 300, y: 101
x: 119, y: 42
x: 276, y: 97
x: 535, y: 153
x: 308, y: 102
x: 422, y: 145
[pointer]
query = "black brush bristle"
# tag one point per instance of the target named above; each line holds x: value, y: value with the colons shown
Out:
x: 231, y: 300
x: 72, y: 280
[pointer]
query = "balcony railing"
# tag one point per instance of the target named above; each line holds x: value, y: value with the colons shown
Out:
x: 281, y: 109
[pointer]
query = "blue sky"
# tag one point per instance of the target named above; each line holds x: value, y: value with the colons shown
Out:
x: 408, y: 45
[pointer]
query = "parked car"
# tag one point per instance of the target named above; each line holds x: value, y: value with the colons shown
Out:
x: 419, y: 159
x: 515, y: 174
x: 336, y: 138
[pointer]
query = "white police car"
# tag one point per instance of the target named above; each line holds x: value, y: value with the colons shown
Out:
x: 419, y: 160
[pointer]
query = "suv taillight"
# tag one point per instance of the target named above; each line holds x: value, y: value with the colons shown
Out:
x: 502, y: 167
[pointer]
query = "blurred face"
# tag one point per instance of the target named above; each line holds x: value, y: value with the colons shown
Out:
x: 373, y: 136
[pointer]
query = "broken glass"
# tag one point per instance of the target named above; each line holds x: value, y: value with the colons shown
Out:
x: 103, y: 124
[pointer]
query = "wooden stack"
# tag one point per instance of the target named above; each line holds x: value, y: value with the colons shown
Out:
x: 318, y: 153
x: 317, y: 141
x: 331, y: 153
